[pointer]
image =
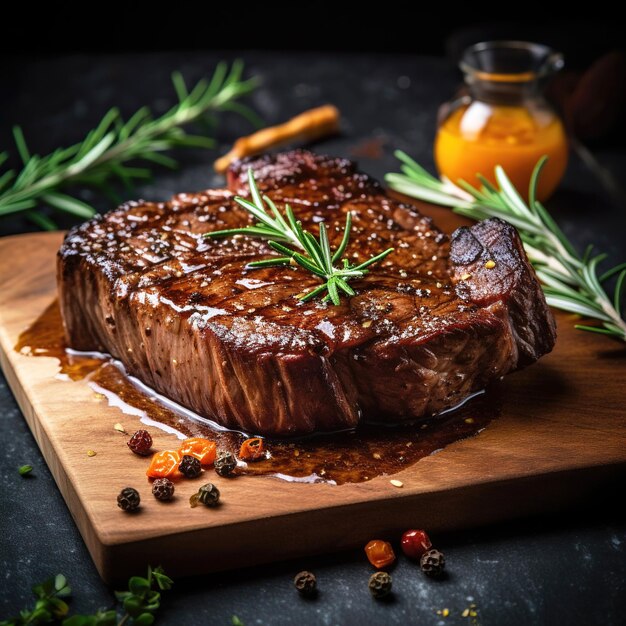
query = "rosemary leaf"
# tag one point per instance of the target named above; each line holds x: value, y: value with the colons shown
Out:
x: 314, y: 255
x: 570, y: 281
x: 104, y: 153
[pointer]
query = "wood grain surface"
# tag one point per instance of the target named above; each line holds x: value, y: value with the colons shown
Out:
x: 562, y: 431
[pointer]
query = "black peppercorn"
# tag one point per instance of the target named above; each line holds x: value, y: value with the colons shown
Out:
x: 306, y: 583
x: 128, y: 499
x: 225, y: 463
x: 163, y: 489
x: 380, y: 584
x: 190, y: 466
x: 433, y: 563
x: 209, y: 495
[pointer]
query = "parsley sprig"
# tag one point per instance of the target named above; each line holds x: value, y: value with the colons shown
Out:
x: 139, y: 603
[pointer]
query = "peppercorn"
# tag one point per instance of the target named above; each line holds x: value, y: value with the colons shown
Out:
x: 380, y: 584
x: 433, y: 563
x: 414, y: 543
x: 306, y: 583
x: 225, y: 463
x: 163, y: 489
x: 209, y: 495
x: 128, y: 499
x: 140, y: 443
x: 190, y: 466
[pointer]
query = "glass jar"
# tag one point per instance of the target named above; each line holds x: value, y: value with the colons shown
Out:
x: 502, y: 118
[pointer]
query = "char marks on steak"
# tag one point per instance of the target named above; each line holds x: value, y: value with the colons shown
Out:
x: 428, y: 326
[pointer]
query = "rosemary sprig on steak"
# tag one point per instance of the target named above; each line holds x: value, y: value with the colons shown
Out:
x: 316, y: 255
x: 570, y: 281
x: 105, y: 152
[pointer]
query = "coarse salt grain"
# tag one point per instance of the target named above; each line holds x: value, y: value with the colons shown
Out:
x: 396, y: 483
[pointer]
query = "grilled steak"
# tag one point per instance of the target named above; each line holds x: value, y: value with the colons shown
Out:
x: 431, y: 324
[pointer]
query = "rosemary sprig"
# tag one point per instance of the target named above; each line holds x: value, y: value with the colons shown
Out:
x: 570, y: 281
x: 316, y: 255
x: 106, y: 150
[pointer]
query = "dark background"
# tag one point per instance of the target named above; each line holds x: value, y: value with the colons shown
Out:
x: 331, y: 26
x: 59, y: 79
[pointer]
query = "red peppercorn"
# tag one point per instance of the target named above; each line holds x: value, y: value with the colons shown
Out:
x: 414, y: 543
x: 140, y: 443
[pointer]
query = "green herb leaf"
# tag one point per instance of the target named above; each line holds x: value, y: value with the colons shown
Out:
x: 138, y: 585
x: 570, y: 281
x: 104, y: 153
x: 316, y: 256
x: 25, y: 469
x: 132, y: 606
x: 164, y: 582
x: 138, y: 606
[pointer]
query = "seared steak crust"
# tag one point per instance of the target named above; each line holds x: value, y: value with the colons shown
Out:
x: 428, y: 326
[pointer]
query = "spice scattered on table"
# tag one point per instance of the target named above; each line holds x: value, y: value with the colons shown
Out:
x: 433, y: 563
x: 252, y: 449
x: 203, y: 449
x: 120, y: 428
x: 380, y: 553
x: 225, y: 463
x: 128, y: 499
x: 208, y: 494
x: 396, y: 483
x: 25, y: 470
x: 190, y: 466
x: 306, y: 583
x: 140, y: 443
x: 471, y: 612
x: 380, y: 584
x: 164, y: 464
x: 91, y: 453
x: 163, y: 489
x: 415, y: 543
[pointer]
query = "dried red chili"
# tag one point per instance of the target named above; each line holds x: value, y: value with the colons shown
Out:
x: 202, y: 449
x: 164, y: 464
x: 252, y: 449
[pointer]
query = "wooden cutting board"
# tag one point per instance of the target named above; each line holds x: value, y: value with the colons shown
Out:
x: 561, y: 432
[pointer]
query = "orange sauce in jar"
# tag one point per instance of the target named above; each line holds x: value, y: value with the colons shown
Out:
x: 478, y: 136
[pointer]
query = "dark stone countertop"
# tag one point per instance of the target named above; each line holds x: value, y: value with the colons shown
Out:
x: 561, y: 569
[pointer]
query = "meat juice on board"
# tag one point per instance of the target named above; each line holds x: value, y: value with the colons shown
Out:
x: 342, y: 457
